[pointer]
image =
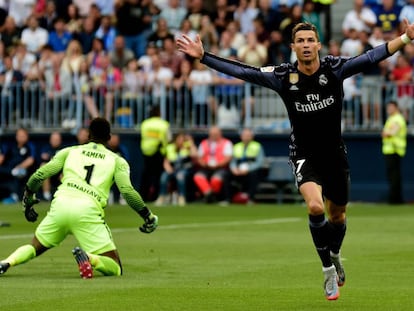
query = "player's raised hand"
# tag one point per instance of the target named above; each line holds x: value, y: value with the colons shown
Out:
x: 193, y: 48
x: 409, y: 28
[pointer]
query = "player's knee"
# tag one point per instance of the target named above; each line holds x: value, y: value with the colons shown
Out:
x: 337, y: 217
x: 315, y: 207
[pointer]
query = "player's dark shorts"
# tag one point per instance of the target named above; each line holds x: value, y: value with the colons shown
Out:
x: 331, y: 171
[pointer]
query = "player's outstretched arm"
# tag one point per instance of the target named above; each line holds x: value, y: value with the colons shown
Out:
x: 399, y: 42
x: 133, y: 198
x: 193, y: 48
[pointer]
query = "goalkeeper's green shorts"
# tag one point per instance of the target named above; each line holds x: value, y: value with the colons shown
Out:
x: 77, y: 216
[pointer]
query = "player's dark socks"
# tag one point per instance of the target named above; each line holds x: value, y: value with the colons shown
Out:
x: 337, y: 236
x: 319, y: 229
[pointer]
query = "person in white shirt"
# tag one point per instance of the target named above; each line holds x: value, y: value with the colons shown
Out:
x: 34, y: 36
x: 20, y: 10
x: 359, y: 18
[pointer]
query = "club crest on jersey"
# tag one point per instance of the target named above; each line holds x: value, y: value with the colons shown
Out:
x: 267, y: 69
x: 323, y: 80
x: 293, y: 78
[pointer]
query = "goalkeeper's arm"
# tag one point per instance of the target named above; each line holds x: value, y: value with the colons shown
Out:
x: 133, y: 198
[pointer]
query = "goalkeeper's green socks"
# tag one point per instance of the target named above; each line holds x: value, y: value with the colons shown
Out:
x: 21, y: 255
x: 104, y: 264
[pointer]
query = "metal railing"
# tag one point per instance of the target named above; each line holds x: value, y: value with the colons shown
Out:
x: 196, y: 107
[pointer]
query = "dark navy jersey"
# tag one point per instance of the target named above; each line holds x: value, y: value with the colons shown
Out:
x: 313, y: 102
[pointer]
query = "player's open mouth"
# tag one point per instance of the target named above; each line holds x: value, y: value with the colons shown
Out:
x: 306, y: 53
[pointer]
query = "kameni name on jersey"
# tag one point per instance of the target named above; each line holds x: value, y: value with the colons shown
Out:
x: 93, y: 154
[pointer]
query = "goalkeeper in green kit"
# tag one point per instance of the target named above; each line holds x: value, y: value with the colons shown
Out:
x: 77, y: 208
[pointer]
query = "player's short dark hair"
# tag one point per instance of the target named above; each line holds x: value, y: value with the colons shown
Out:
x: 304, y: 26
x: 393, y: 103
x: 99, y: 130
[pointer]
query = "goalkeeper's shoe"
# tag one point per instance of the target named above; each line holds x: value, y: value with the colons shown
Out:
x: 3, y: 267
x: 82, y: 259
x: 331, y: 283
x: 336, y: 260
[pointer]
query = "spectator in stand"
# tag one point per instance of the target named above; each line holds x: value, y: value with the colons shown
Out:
x: 237, y: 38
x: 161, y: 32
x: 74, y: 23
x: 23, y: 60
x: 262, y: 35
x: 271, y: 18
x: 174, y: 14
x: 95, y: 15
x: 10, y: 81
x: 58, y: 90
x: 10, y: 34
x: 62, y: 7
x: 407, y: 12
x: 120, y: 56
x: 132, y: 84
x: 401, y: 75
x: 59, y: 38
x: 2, y: 54
x: 45, y: 62
x: 224, y: 47
x: 85, y: 82
x: 221, y: 16
x: 47, y: 153
x: 86, y: 35
x: 105, y: 6
x: 133, y: 12
x: 82, y: 136
x: 351, y: 46
x: 96, y: 52
x: 106, y: 32
x: 145, y: 61
x: 387, y: 18
x: 182, y: 91
x: 310, y: 15
x: 201, y: 79
x: 178, y: 165
x: 107, y: 81
x: 376, y: 37
x: 245, y: 13
x: 83, y: 6
x: 286, y: 26
x: 248, y: 159
x: 253, y: 53
x: 34, y: 37
x: 73, y: 57
x: 214, y: 156
x: 158, y: 77
x: 169, y: 55
x: 371, y: 85
x: 17, y: 161
x: 195, y: 11
x: 208, y: 32
x: 186, y: 29
x: 49, y: 15
x: 20, y: 10
x: 359, y: 18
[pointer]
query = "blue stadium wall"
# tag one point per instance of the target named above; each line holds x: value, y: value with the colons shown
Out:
x: 368, y: 180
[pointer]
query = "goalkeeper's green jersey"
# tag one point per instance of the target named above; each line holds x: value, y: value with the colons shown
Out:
x: 89, y: 171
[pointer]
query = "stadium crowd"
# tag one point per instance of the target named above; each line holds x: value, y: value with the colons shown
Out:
x: 107, y: 48
x: 112, y: 50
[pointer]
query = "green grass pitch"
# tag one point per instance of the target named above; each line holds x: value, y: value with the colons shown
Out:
x: 220, y: 258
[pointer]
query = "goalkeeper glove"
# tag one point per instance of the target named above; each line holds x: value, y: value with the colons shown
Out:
x: 151, y: 223
x: 29, y: 199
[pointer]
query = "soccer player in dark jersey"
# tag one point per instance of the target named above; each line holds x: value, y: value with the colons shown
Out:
x: 312, y: 92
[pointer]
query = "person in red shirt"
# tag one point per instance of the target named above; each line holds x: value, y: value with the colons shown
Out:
x: 214, y: 156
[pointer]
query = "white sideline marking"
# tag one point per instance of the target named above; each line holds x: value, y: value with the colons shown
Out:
x: 186, y: 226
